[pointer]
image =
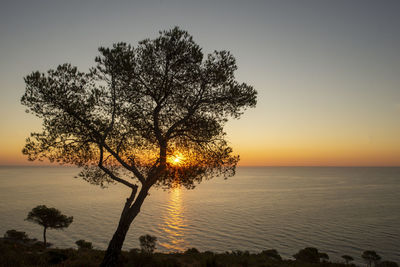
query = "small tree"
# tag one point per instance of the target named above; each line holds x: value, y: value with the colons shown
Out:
x: 370, y: 256
x: 148, y: 243
x: 82, y: 244
x: 48, y: 218
x: 347, y: 258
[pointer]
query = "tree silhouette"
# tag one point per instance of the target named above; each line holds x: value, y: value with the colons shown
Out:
x: 148, y: 243
x: 82, y: 244
x: 347, y: 258
x: 147, y: 116
x: 310, y: 254
x: 324, y: 257
x: 48, y: 218
x: 16, y: 235
x: 272, y: 254
x: 370, y: 256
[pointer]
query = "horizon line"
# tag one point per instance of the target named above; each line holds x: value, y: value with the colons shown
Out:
x: 245, y: 166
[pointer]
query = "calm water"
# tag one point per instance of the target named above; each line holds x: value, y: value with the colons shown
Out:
x: 338, y: 210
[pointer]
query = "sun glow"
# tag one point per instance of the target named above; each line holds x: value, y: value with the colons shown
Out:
x: 176, y: 159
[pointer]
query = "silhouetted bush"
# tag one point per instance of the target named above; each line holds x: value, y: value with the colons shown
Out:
x: 311, y: 255
x: 271, y: 254
x: 16, y: 235
x: 148, y: 243
x: 323, y: 256
x: 347, y: 258
x: 370, y: 256
x: 240, y: 253
x: 20, y: 254
x: 192, y: 251
x: 82, y: 244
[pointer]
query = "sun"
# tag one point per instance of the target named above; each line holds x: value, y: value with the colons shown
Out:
x: 176, y: 159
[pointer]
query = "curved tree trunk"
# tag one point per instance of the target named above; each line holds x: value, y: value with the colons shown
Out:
x: 114, y: 247
x: 128, y: 215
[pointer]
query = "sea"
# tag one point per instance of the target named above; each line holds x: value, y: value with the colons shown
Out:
x: 339, y: 210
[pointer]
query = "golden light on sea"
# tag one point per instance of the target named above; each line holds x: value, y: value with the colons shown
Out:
x: 174, y: 222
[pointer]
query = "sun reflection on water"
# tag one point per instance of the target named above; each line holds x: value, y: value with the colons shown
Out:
x: 174, y: 223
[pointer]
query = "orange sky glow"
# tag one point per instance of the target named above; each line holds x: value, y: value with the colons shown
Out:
x: 328, y: 88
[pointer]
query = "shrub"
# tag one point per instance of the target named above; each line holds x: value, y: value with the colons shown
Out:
x: 16, y: 235
x: 192, y: 251
x: 240, y: 253
x: 323, y: 256
x: 147, y: 243
x: 347, y: 258
x: 271, y: 254
x: 82, y: 244
x: 311, y: 255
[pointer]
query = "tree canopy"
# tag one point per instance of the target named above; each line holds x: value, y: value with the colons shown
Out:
x: 370, y: 256
x: 156, y: 108
x: 347, y: 258
x: 310, y: 254
x: 48, y: 218
x: 142, y: 116
x: 148, y: 243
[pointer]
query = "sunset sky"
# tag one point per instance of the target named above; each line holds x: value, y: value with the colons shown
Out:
x: 327, y: 72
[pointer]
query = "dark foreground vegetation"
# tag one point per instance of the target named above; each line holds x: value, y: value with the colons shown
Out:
x: 17, y: 249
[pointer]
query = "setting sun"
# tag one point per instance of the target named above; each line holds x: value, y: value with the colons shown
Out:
x: 176, y: 159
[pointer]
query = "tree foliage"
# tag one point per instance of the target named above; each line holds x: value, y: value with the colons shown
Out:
x: 82, y: 244
x: 347, y: 258
x: 150, y: 115
x: 272, y: 254
x: 310, y: 254
x: 147, y: 243
x: 48, y: 218
x: 370, y: 256
x: 16, y: 235
x: 138, y: 108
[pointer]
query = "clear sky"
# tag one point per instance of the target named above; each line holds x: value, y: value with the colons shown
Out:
x: 327, y: 72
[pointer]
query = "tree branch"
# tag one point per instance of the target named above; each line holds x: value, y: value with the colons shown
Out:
x: 102, y: 143
x: 132, y: 167
x: 129, y: 201
x: 112, y: 175
x: 190, y: 113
